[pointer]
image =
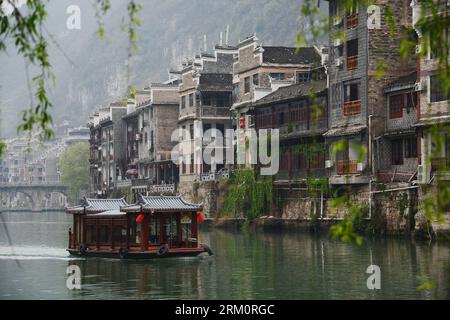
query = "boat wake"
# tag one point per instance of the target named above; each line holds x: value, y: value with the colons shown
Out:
x: 33, y: 253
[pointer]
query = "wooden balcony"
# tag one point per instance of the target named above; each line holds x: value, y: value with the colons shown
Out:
x: 346, y: 167
x: 352, y: 62
x: 352, y: 21
x: 352, y: 108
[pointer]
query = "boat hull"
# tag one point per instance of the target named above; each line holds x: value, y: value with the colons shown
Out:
x: 139, y: 255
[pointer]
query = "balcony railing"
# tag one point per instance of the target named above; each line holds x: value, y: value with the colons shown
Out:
x: 352, y: 108
x: 204, y: 111
x: 214, y: 112
x: 123, y: 184
x: 140, y: 182
x: 395, y: 176
x: 352, y: 21
x: 346, y: 167
x: 352, y: 62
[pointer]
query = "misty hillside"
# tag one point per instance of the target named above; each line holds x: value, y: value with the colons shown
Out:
x: 93, y: 72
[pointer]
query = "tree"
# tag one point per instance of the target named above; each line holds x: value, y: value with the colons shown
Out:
x: 74, y: 167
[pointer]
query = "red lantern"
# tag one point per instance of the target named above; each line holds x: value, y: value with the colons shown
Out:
x: 242, y: 122
x: 140, y: 218
x: 200, y: 217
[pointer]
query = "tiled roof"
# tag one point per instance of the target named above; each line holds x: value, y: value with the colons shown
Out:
x: 162, y: 203
x: 402, y: 83
x: 293, y: 91
x: 344, y: 131
x: 91, y: 206
x: 287, y: 55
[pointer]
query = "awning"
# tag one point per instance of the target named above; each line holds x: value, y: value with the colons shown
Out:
x: 344, y: 131
x: 396, y: 133
x: 432, y: 120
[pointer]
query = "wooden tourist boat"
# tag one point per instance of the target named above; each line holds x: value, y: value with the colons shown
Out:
x: 154, y: 227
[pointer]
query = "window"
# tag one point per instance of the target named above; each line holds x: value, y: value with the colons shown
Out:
x: 396, y: 106
x: 247, y: 85
x: 411, y: 147
x: 334, y: 8
x: 303, y: 77
x: 436, y: 92
x: 183, y: 165
x: 221, y: 128
x: 119, y: 234
x: 351, y: 92
x: 91, y: 234
x: 256, y: 79
x: 299, y: 112
x: 152, y: 138
x: 352, y: 54
x: 183, y: 102
x: 191, y: 100
x: 411, y: 101
x: 104, y: 235
x: 191, y: 169
x: 278, y: 76
x: 220, y: 101
x: 264, y: 118
x: 206, y: 127
x: 397, y: 151
x: 206, y: 98
x: 282, y: 115
x: 153, y: 232
x: 191, y: 131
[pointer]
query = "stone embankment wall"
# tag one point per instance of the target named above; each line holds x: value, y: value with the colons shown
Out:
x: 394, y: 211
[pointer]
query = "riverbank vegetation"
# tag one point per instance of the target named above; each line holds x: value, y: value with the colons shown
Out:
x: 248, y: 196
x: 74, y: 167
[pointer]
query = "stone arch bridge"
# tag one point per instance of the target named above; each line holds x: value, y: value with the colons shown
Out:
x: 36, y: 197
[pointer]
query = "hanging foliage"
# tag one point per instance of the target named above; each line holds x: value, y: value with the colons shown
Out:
x: 248, y: 195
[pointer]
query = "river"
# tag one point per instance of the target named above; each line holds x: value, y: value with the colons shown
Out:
x: 246, y: 265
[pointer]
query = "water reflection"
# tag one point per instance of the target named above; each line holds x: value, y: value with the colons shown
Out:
x: 263, y: 265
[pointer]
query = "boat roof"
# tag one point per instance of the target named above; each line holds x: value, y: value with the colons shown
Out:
x: 162, y: 204
x: 93, y: 206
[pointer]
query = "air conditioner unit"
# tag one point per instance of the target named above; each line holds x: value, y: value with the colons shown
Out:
x: 338, y: 42
x: 418, y: 86
x: 360, y: 167
x: 339, y: 62
x: 421, y: 174
x: 328, y: 164
x: 138, y: 136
